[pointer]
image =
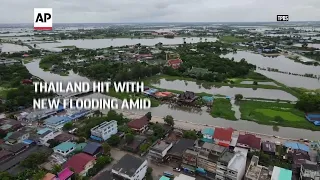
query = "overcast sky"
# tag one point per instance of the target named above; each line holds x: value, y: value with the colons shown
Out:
x: 105, y: 11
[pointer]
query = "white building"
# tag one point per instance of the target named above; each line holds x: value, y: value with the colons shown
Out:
x: 47, y: 135
x: 65, y: 148
x: 237, y: 165
x: 130, y: 167
x: 104, y: 130
x: 17, y: 137
x: 159, y: 150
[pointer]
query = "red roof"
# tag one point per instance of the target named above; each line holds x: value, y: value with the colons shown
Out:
x: 78, y: 162
x: 174, y: 61
x: 138, y: 123
x: 251, y: 140
x: 223, y: 134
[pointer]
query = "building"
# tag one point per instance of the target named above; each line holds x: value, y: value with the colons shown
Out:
x: 222, y: 136
x: 49, y: 176
x: 158, y: 152
x: 184, y: 177
x: 174, y: 63
x: 237, y: 166
x: 222, y: 164
x: 38, y: 115
x: 9, y: 62
x: 179, y: 147
x: 65, y: 174
x: 189, y: 158
x: 44, y: 137
x: 269, y: 147
x: 139, y: 125
x: 103, y: 131
x: 256, y: 171
x: 81, y: 163
x: 249, y: 141
x: 208, y: 156
x: 9, y: 125
x: 281, y: 174
x: 207, y: 135
x: 134, y: 146
x: 130, y: 167
x: 65, y: 148
x: 296, y: 146
x: 65, y: 137
x: 57, y: 122
x: 18, y: 137
x: 93, y: 149
x: 310, y: 171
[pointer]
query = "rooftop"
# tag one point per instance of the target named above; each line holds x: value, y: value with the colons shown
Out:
x: 56, y: 119
x: 238, y: 160
x: 181, y: 145
x: 251, y: 140
x: 91, y: 148
x: 160, y: 146
x: 269, y: 147
x: 281, y: 174
x: 103, y: 125
x: 78, y: 162
x: 223, y: 134
x: 226, y: 157
x: 41, y: 131
x: 208, y: 131
x: 65, y: 146
x: 128, y: 164
x: 295, y: 145
x: 214, y: 147
x: 139, y: 123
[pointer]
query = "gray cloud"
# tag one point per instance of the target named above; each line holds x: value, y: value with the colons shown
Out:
x: 100, y: 11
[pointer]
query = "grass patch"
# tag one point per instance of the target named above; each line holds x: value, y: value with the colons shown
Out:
x: 27, y: 60
x: 266, y: 113
x: 222, y: 108
x: 232, y: 39
x: 124, y: 95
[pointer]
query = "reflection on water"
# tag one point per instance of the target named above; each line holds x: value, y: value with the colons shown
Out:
x: 236, y: 109
x: 225, y: 90
x: 264, y: 83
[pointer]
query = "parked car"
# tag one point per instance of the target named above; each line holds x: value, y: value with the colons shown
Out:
x: 177, y: 169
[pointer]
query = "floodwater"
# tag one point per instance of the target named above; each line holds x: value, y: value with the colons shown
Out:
x: 282, y: 64
x: 181, y: 85
x: 6, y: 47
x: 103, y: 43
x: 187, y: 114
x: 309, y: 45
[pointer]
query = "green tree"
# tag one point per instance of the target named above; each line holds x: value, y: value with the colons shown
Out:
x: 5, y: 176
x: 148, y: 115
x: 114, y: 140
x: 81, y: 140
x: 238, y: 97
x: 149, y: 174
x: 129, y: 138
x: 145, y: 147
x: 278, y: 119
x: 190, y: 135
x: 56, y: 169
x: 255, y: 83
x: 39, y: 175
x: 106, y: 148
x: 169, y: 120
x: 68, y: 126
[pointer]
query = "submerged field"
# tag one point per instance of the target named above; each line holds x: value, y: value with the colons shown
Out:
x: 222, y: 108
x: 272, y: 113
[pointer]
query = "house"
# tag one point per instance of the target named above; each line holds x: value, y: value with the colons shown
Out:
x: 281, y: 174
x: 9, y: 125
x: 130, y: 167
x: 179, y: 147
x: 81, y: 163
x: 256, y: 171
x: 25, y: 55
x: 269, y: 147
x: 207, y: 135
x: 189, y: 159
x: 4, y: 155
x: 57, y: 122
x: 65, y: 137
x: 222, y: 164
x: 134, y: 146
x: 310, y: 171
x: 187, y: 97
x: 174, y: 63
x: 44, y: 137
x: 65, y: 148
x: 296, y: 146
x: 17, y: 148
x: 99, y: 57
x: 222, y: 136
x: 49, y: 176
x: 139, y: 125
x: 158, y: 152
x: 93, y: 149
x: 208, y: 156
x: 65, y: 174
x: 8, y: 62
x: 249, y: 141
x: 103, y: 131
x: 18, y: 137
x: 237, y: 166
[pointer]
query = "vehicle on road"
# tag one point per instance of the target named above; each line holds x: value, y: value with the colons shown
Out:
x: 177, y: 169
x: 168, y: 174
